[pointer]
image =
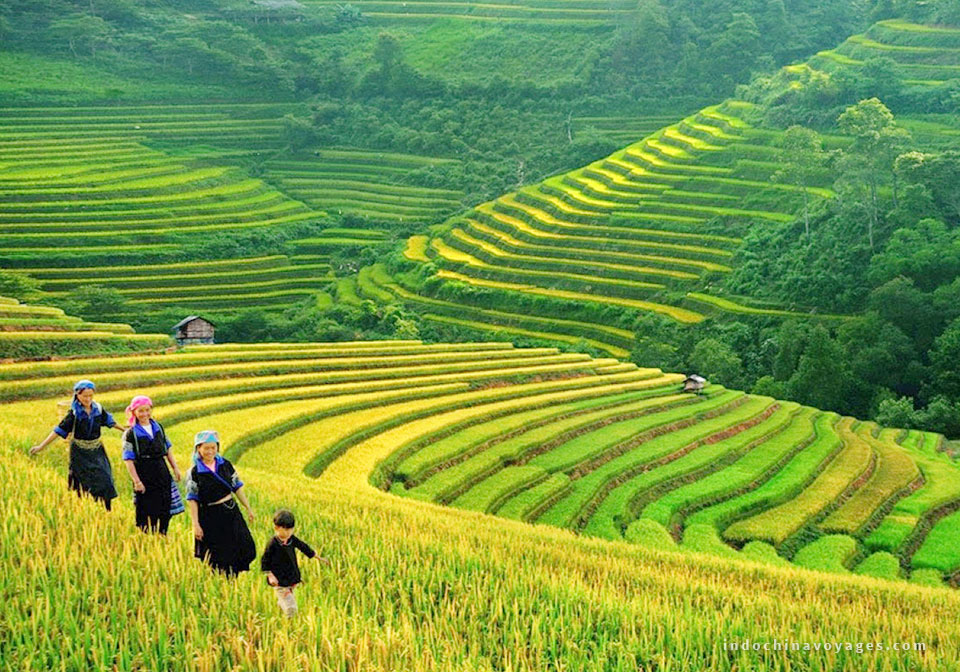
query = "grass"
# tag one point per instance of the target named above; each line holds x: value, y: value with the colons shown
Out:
x: 545, y: 587
x: 680, y: 314
x: 782, y: 486
x: 894, y: 472
x: 827, y: 554
x: 740, y: 475
x: 778, y: 523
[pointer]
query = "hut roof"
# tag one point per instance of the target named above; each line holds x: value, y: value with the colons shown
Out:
x: 191, y: 319
x: 695, y: 378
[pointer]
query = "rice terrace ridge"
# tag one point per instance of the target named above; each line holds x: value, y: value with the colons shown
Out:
x: 562, y: 335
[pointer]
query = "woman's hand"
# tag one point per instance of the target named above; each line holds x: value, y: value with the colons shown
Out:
x: 138, y: 486
x: 272, y: 579
x: 177, y: 476
x: 36, y: 449
x: 197, y: 531
x: 250, y: 514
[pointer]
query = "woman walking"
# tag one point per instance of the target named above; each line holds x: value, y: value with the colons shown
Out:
x: 146, y: 452
x: 89, y: 469
x: 222, y: 537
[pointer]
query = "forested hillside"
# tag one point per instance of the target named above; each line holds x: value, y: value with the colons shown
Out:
x: 460, y: 259
x: 797, y: 240
x: 256, y: 158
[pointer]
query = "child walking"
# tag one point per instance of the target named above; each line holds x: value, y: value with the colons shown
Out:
x: 279, y: 561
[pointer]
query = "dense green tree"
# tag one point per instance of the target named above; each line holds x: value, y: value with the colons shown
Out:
x: 869, y: 160
x: 791, y: 340
x: 940, y: 415
x: 900, y: 302
x: 946, y: 11
x: 937, y: 172
x: 81, y: 32
x: 944, y: 357
x: 736, y: 50
x: 880, y: 354
x: 928, y: 254
x: 801, y: 157
x: 897, y: 413
x: 655, y: 354
x: 822, y: 378
x: 94, y: 302
x: 298, y: 133
x: 716, y: 361
x: 768, y: 387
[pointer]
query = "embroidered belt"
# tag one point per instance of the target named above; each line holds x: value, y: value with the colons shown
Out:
x: 88, y: 444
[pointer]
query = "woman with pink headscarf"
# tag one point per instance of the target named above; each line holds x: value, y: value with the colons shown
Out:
x: 146, y: 452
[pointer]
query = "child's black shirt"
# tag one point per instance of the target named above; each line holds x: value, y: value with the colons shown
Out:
x: 281, y: 559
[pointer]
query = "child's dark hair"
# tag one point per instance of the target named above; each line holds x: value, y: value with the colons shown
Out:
x: 283, y: 518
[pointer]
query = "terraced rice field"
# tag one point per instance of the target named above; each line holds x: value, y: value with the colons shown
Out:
x: 485, y: 428
x: 777, y: 481
x: 624, y: 130
x: 86, y: 191
x: 365, y: 183
x: 41, y: 331
x: 375, y: 283
x: 924, y: 55
x: 72, y: 184
x: 637, y: 230
x: 586, y: 13
x: 83, y: 191
x: 599, y: 447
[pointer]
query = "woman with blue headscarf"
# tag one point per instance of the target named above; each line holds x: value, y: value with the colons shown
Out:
x: 90, y: 470
x: 222, y: 538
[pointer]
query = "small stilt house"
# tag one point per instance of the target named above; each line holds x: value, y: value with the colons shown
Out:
x: 694, y: 383
x: 192, y: 330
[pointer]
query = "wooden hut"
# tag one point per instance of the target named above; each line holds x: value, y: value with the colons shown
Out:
x: 192, y: 330
x: 694, y: 383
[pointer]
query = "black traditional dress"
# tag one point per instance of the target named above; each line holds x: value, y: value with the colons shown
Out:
x: 148, y: 451
x: 227, y: 544
x: 90, y: 469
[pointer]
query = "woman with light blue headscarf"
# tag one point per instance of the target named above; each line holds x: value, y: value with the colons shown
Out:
x: 89, y: 470
x: 214, y: 496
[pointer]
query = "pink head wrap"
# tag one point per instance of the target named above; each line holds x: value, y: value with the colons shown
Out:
x: 137, y: 402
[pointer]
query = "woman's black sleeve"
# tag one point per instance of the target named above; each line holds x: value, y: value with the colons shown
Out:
x: 65, y: 426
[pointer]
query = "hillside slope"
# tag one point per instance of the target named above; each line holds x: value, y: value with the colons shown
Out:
x: 658, y: 226
x: 37, y: 332
x: 412, y: 582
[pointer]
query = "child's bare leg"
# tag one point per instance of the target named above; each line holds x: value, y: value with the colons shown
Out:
x: 287, y: 601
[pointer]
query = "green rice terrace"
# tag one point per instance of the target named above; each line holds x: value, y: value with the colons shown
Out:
x: 636, y: 230
x: 153, y: 183
x: 364, y: 183
x: 655, y: 227
x: 574, y: 13
x: 29, y: 331
x: 923, y: 55
x: 595, y: 446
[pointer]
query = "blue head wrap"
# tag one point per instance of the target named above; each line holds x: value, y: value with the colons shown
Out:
x: 206, y: 436
x: 84, y: 385
x: 203, y: 437
x: 77, y: 407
